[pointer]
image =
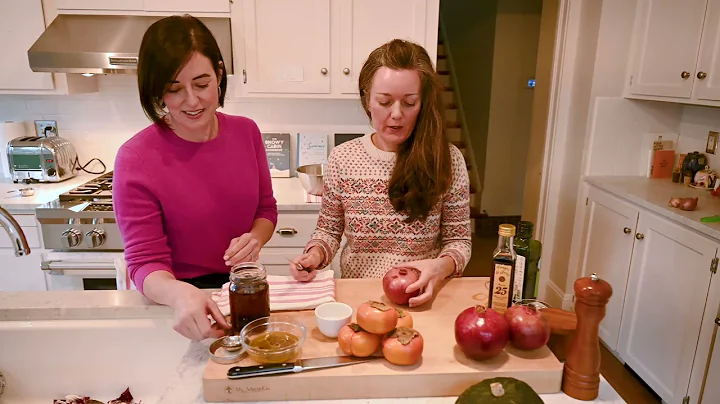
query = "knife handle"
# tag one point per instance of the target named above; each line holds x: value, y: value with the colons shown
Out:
x: 240, y: 372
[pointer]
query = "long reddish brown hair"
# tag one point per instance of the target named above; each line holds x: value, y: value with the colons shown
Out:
x: 423, y: 171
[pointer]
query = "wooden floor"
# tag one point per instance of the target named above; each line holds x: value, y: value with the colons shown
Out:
x: 622, y: 379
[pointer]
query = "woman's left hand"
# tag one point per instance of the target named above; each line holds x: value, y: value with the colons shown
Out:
x: 245, y: 248
x: 431, y: 272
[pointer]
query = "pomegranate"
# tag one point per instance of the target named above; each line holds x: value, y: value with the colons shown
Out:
x: 396, y: 280
x: 481, y: 333
x: 529, y: 329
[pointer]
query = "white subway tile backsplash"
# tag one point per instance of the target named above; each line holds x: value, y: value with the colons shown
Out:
x: 99, y: 123
x: 617, y: 131
x: 42, y: 106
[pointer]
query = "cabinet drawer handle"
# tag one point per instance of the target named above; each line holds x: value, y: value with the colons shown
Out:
x: 701, y: 75
x: 286, y: 231
x: 627, y: 230
x: 324, y: 71
x: 685, y: 75
x: 639, y: 236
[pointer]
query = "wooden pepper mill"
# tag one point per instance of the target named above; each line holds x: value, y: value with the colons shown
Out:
x: 581, y: 374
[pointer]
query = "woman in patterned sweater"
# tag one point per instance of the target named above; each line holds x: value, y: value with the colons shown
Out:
x: 401, y: 195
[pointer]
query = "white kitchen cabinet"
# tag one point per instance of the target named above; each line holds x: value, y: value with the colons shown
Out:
x: 21, y: 23
x: 316, y: 48
x: 707, y: 78
x: 287, y: 46
x: 666, y: 296
x: 364, y: 29
x: 675, y: 52
x: 668, y: 38
x: 124, y: 5
x: 188, y: 6
x: 610, y: 224
x: 21, y: 274
x: 170, y: 6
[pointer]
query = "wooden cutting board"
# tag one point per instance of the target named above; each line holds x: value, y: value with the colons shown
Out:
x: 443, y: 370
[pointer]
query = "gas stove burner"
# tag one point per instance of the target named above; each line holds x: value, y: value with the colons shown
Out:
x: 99, y: 207
x: 96, y: 189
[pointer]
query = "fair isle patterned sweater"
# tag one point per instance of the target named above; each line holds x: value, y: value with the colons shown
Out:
x: 355, y: 202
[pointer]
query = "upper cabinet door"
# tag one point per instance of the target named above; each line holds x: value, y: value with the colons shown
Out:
x: 287, y: 46
x: 188, y: 6
x: 367, y: 24
x: 667, y: 35
x: 124, y: 5
x: 707, y: 79
x: 667, y: 292
x: 21, y: 24
x: 609, y: 242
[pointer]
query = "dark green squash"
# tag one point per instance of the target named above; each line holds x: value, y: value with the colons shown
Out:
x: 499, y: 390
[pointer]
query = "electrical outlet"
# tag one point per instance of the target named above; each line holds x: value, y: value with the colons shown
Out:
x: 46, y: 128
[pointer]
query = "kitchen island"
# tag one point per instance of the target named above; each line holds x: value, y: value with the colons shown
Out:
x: 123, y: 340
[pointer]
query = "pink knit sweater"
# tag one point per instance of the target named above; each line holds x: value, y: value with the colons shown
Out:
x: 179, y: 203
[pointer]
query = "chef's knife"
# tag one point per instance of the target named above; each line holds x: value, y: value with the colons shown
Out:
x: 241, y: 372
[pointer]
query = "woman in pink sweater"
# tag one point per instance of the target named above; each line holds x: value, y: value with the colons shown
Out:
x: 400, y: 195
x: 192, y: 192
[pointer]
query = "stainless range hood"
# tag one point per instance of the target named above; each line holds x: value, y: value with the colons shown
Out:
x: 106, y: 44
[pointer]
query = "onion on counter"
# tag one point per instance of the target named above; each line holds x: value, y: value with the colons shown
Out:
x: 684, y: 203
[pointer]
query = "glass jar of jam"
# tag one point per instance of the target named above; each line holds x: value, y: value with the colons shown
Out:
x: 249, y: 294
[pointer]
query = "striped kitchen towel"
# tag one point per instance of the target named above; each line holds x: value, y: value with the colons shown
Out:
x: 288, y: 294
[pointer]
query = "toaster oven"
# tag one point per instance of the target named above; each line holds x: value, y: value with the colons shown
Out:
x: 41, y: 159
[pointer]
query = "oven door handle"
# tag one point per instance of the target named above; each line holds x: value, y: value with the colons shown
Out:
x: 86, y: 269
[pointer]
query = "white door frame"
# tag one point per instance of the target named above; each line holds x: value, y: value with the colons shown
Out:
x: 567, y: 32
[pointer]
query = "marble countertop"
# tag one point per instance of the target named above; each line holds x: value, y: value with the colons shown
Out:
x: 288, y: 192
x: 654, y: 194
x: 185, y: 386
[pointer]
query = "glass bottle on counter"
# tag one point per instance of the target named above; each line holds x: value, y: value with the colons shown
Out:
x: 503, y: 273
x: 527, y: 264
x: 249, y: 294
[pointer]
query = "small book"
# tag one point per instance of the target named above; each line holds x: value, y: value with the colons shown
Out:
x: 312, y: 148
x: 663, y: 163
x: 277, y: 149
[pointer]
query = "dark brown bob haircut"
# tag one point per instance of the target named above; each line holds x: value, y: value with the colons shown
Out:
x: 166, y: 48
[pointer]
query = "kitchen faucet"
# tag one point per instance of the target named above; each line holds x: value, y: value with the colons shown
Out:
x: 16, y: 234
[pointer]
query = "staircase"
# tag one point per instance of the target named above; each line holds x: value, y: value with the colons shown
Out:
x: 453, y: 127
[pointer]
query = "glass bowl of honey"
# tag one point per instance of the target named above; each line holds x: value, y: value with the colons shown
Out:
x: 273, y: 339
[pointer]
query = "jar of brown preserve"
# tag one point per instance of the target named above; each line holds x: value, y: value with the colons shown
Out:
x: 249, y: 297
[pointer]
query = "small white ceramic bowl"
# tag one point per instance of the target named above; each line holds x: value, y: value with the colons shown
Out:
x: 331, y: 317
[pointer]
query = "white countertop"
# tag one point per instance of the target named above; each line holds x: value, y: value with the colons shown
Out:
x: 186, y: 384
x: 44, y: 193
x: 654, y: 195
x: 288, y: 192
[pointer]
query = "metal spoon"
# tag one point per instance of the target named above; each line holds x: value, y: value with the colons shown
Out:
x: 299, y: 266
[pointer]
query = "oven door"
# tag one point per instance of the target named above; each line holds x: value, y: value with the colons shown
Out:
x: 82, y: 271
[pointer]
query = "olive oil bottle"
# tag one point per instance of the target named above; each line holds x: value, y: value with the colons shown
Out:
x: 503, y: 274
x: 527, y: 264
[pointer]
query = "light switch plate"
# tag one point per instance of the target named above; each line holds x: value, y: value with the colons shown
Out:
x: 46, y: 128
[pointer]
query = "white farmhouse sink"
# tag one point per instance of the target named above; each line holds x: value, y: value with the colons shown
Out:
x: 45, y: 360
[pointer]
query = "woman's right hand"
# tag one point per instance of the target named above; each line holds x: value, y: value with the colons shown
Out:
x: 192, y: 307
x: 310, y: 260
